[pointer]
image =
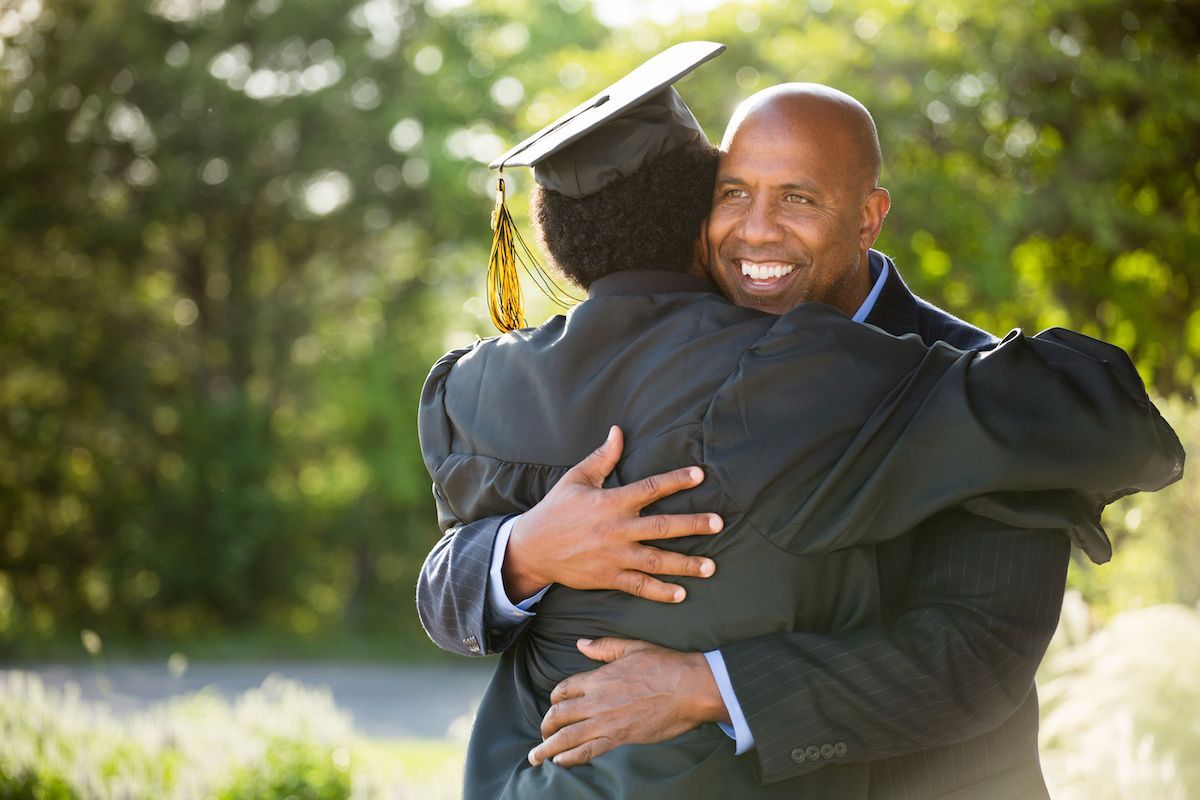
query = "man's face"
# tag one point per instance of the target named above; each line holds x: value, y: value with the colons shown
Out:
x: 788, y: 215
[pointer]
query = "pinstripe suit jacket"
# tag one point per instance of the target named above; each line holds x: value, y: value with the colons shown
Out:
x: 938, y: 697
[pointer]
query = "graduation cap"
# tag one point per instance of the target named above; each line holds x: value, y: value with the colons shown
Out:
x: 610, y: 136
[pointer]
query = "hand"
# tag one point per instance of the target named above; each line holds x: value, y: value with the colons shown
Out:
x: 644, y: 694
x: 586, y: 537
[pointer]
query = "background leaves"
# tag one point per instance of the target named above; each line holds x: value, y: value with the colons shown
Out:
x: 234, y: 235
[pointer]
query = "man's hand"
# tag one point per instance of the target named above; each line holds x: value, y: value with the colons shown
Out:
x: 586, y: 537
x: 645, y: 694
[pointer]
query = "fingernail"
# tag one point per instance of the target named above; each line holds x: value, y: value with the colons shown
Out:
x: 696, y: 474
x: 584, y: 642
x: 679, y: 595
x: 612, y: 432
x: 532, y: 763
x: 555, y: 759
x: 715, y: 523
x: 707, y: 568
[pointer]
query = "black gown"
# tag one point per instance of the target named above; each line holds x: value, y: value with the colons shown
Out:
x: 820, y: 437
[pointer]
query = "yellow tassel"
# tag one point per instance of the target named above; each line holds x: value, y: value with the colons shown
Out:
x: 504, y: 284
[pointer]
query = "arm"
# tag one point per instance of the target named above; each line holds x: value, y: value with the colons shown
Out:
x: 452, y: 592
x: 981, y: 602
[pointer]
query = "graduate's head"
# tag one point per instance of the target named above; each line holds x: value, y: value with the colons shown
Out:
x: 623, y: 181
x: 797, y: 202
x: 647, y: 218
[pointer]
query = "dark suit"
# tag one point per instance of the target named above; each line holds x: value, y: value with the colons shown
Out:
x: 964, y: 625
x: 939, y: 697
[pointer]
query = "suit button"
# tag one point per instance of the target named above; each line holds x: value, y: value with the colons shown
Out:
x: 826, y: 751
x: 798, y: 755
x: 839, y: 749
x: 812, y: 752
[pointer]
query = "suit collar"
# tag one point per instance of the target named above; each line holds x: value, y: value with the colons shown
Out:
x: 896, y: 309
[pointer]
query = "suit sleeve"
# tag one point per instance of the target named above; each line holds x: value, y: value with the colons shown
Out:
x: 452, y: 592
x: 980, y: 606
x: 453, y: 584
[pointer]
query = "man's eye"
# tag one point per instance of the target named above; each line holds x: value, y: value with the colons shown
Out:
x: 796, y: 198
x: 735, y: 194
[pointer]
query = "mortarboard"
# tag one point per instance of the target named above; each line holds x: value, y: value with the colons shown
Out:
x: 631, y: 123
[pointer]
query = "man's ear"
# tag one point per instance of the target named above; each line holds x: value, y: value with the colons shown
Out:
x: 873, y: 212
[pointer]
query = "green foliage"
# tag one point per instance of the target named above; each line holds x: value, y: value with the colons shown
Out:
x: 1042, y: 156
x: 277, y: 741
x: 235, y: 246
x: 235, y: 234
x: 1155, y: 558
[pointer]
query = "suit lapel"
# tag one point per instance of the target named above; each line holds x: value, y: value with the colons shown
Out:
x: 895, y: 309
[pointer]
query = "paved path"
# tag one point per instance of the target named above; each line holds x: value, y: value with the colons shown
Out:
x: 395, y: 700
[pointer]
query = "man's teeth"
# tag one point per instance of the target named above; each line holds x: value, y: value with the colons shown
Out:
x: 761, y: 272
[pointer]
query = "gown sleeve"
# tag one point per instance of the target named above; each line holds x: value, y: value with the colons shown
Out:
x: 863, y: 435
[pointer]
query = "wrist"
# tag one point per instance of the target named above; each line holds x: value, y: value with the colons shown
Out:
x: 519, y: 571
x: 707, y: 703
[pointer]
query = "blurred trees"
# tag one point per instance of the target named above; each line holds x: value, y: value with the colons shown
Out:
x: 1043, y: 158
x: 234, y: 235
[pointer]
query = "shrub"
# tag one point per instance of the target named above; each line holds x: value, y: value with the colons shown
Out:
x: 280, y: 740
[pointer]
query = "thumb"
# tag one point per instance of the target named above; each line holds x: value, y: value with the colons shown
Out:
x: 600, y: 463
x: 607, y: 648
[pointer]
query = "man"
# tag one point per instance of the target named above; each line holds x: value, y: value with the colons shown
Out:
x: 796, y: 210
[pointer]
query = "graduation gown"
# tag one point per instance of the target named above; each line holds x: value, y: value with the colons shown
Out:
x: 820, y: 438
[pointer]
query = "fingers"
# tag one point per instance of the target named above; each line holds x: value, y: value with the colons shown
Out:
x: 570, y: 747
x: 599, y: 463
x: 585, y: 752
x: 606, y: 649
x: 648, y: 587
x: 644, y: 492
x: 569, y: 688
x: 671, y: 526
x: 563, y: 714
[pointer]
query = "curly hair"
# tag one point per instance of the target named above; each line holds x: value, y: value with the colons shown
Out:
x: 647, y: 220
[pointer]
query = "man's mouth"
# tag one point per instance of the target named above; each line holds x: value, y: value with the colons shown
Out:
x: 765, y: 271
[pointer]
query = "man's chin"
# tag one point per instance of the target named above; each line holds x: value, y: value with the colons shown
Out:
x: 773, y: 299
x: 772, y: 295
x: 770, y: 304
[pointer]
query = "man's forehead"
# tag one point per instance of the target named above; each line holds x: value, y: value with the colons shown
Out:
x: 781, y: 163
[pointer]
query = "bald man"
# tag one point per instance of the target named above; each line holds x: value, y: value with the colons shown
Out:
x: 938, y: 696
x: 798, y: 194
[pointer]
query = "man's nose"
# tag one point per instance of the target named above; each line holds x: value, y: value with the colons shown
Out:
x: 759, y: 225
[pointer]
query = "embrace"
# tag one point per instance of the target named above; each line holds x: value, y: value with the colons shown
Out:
x: 823, y: 546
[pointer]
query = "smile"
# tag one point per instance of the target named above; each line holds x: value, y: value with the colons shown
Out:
x: 765, y: 271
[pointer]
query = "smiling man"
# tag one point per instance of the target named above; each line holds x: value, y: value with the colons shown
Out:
x: 930, y: 694
x: 797, y: 201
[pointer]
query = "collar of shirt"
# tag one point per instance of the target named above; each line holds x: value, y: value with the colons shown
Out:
x: 879, y: 271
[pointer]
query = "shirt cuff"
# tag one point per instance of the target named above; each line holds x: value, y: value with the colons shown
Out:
x: 740, y: 730
x: 503, y: 610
